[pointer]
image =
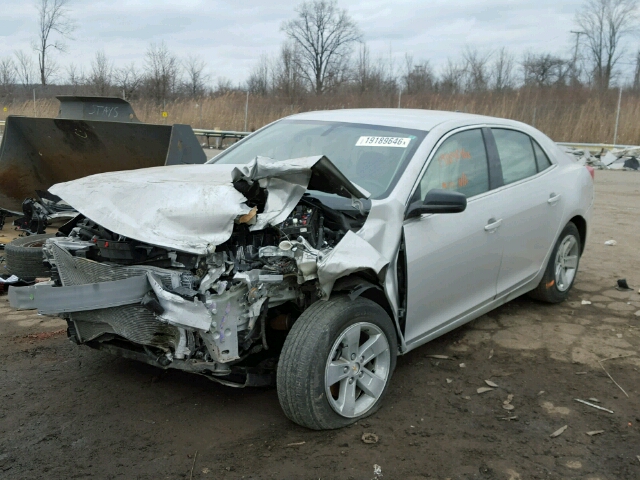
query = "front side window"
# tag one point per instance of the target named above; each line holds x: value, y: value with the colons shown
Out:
x: 516, y: 155
x: 459, y: 164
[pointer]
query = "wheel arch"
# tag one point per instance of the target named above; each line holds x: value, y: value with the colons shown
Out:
x: 581, y: 225
x: 361, y: 284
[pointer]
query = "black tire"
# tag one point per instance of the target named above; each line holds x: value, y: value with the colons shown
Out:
x: 547, y: 290
x: 304, y: 356
x: 24, y: 257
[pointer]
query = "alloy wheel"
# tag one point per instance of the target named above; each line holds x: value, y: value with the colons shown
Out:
x: 566, y: 263
x: 357, y: 369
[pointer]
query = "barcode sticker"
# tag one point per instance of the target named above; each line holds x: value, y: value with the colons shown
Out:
x: 383, y: 142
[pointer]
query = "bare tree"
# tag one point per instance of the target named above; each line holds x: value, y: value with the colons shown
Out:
x: 385, y: 67
x: 363, y: 70
x: 604, y: 25
x: 452, y: 77
x: 545, y: 69
x: 286, y: 78
x: 25, y: 69
x: 162, y: 71
x: 195, y: 82
x: 101, y: 75
x: 224, y: 86
x: 476, y: 69
x: 128, y: 80
x: 417, y: 78
x: 370, y: 76
x: 258, y: 81
x: 7, y: 76
x: 75, y: 77
x: 325, y: 35
x: 53, y: 17
x: 503, y: 66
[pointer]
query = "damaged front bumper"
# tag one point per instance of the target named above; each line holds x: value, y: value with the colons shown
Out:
x: 101, y: 299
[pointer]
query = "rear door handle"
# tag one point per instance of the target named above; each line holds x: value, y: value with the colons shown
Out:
x: 553, y: 199
x: 493, y: 225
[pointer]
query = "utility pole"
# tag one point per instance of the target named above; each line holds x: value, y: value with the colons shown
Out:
x: 615, y: 132
x: 246, y: 111
x: 575, y: 53
x: 636, y: 76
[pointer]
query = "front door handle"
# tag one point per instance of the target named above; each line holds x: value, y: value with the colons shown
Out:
x: 553, y: 199
x: 493, y: 225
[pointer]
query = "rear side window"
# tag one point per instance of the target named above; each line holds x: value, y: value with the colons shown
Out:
x: 541, y: 157
x: 459, y: 164
x: 516, y: 155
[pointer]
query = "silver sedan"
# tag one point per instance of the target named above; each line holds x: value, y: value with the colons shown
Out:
x: 315, y: 251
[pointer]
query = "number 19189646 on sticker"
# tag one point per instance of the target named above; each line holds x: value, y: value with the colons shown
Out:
x: 401, y: 142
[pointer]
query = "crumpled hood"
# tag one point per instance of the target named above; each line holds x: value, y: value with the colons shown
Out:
x: 192, y: 208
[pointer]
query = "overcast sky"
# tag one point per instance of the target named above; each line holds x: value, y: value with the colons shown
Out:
x: 231, y: 36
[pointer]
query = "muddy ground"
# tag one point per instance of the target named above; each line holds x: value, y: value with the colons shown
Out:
x: 71, y: 412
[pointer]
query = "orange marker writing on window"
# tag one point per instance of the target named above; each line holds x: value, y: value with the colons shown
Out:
x: 463, y: 181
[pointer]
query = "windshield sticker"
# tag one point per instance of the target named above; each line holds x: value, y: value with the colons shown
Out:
x: 383, y: 142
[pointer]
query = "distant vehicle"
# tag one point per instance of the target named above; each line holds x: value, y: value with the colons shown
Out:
x: 317, y: 249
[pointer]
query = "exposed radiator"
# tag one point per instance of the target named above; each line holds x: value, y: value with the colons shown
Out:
x: 133, y: 322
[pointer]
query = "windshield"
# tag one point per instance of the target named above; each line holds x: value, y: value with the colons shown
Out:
x: 370, y: 156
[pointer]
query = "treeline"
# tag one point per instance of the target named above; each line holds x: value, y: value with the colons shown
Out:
x: 472, y: 72
x: 324, y: 53
x: 161, y: 77
x: 324, y: 56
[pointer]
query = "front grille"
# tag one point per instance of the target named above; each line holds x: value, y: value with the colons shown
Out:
x: 133, y: 322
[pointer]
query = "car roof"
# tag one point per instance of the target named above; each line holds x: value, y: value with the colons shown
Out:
x: 396, y: 117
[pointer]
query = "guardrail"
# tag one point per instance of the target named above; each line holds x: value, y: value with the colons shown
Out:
x: 595, y: 146
x: 219, y: 135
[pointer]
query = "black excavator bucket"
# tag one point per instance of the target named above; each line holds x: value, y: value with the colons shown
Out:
x: 90, y: 135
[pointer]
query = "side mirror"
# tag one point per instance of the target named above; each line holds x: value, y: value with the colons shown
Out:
x: 438, y: 201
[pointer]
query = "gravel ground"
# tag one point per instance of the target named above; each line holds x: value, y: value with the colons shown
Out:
x: 71, y: 412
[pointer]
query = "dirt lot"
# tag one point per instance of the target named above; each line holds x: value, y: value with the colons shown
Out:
x: 71, y: 412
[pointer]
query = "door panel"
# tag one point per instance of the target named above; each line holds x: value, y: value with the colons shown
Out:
x: 531, y: 215
x: 452, y: 264
x: 531, y: 210
x: 453, y: 260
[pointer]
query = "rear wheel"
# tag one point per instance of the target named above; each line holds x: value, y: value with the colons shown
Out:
x: 562, y: 268
x: 336, y: 363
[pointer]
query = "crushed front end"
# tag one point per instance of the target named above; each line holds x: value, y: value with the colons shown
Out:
x: 221, y: 311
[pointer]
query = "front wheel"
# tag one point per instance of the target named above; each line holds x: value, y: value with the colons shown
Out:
x: 562, y: 267
x: 336, y: 363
